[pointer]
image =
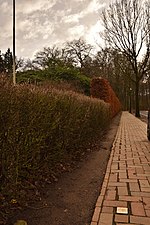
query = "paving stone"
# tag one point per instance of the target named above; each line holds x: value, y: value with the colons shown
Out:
x: 93, y: 223
x: 145, y: 189
x: 106, y: 219
x: 147, y: 212
x: 127, y: 224
x: 142, y: 194
x: 113, y: 177
x: 121, y: 218
x: 136, y: 161
x: 140, y: 220
x: 118, y: 171
x: 110, y: 195
x: 102, y: 191
x: 123, y: 175
x: 99, y: 201
x: 134, y: 186
x: 129, y: 180
x: 146, y: 202
x: 107, y: 209
x: 111, y: 188
x: 137, y: 209
x: 141, y: 177
x: 122, y: 191
x: 130, y: 198
x: 117, y: 184
x: 139, y: 171
x: 144, y: 184
x: 114, y: 166
x: 115, y: 203
x: 96, y: 214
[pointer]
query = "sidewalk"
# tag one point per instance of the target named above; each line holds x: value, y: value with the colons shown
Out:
x: 125, y: 195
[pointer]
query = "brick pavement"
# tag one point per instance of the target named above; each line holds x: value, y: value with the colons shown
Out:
x: 125, y: 195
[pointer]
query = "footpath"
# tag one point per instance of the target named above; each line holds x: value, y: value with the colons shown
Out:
x: 125, y: 194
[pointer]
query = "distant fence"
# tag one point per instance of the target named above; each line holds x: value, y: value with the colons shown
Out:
x: 100, y: 88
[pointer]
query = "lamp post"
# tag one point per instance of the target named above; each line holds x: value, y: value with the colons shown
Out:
x: 130, y: 104
x: 14, y: 64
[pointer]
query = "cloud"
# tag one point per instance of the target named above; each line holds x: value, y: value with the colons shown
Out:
x: 46, y: 22
x: 95, y: 6
x: 4, y: 7
x: 30, y: 6
x: 93, y: 34
x: 71, y: 18
x: 77, y: 31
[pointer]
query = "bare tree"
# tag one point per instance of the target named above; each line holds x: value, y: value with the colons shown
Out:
x: 48, y: 57
x: 127, y: 28
x: 79, y: 51
x: 114, y: 66
x: 51, y: 57
x: 28, y: 64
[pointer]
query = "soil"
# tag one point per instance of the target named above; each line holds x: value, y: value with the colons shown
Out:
x: 71, y: 200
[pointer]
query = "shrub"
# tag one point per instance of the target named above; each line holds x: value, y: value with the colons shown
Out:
x: 40, y: 127
x: 58, y: 74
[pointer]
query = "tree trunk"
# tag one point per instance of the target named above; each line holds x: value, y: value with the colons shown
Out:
x: 146, y: 96
x: 137, y: 108
x: 149, y: 93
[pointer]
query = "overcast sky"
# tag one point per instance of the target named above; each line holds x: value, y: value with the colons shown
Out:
x: 42, y: 23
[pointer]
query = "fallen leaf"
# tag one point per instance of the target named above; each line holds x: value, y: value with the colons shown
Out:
x: 21, y: 222
x: 13, y: 201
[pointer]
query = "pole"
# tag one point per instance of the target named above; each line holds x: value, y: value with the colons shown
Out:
x: 14, y: 64
x: 130, y: 103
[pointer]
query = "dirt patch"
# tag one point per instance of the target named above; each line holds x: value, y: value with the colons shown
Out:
x: 71, y: 200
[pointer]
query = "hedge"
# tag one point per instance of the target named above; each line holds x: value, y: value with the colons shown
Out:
x: 39, y: 127
x: 100, y: 88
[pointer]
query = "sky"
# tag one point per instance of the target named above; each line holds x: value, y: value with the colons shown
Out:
x: 44, y: 23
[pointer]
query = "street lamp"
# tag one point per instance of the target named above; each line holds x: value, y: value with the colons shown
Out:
x: 14, y: 64
x: 130, y: 106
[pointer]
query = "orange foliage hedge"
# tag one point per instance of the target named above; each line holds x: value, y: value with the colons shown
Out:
x: 100, y: 88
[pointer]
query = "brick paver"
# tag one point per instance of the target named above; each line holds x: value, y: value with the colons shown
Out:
x: 127, y: 179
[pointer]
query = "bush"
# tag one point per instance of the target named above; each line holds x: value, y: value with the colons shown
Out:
x: 41, y: 126
x: 30, y: 76
x: 58, y: 74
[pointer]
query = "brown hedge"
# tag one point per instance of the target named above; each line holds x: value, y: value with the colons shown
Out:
x: 100, y: 88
